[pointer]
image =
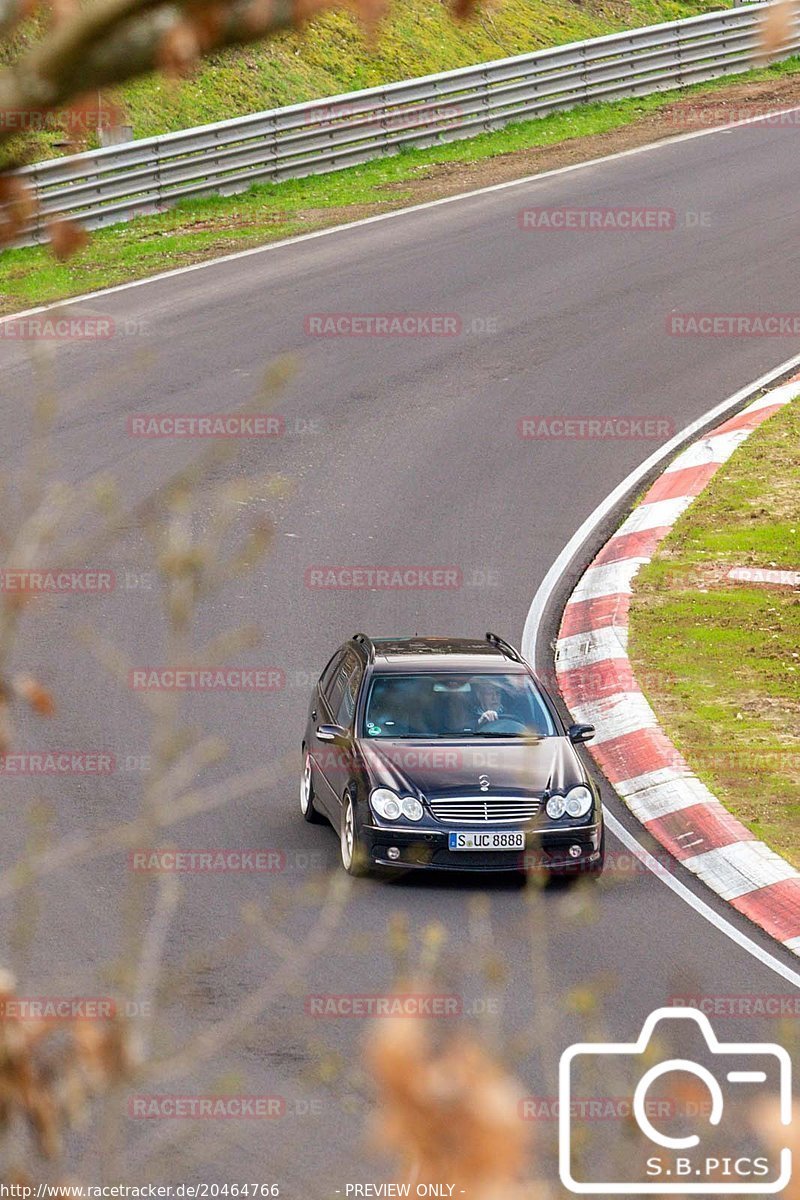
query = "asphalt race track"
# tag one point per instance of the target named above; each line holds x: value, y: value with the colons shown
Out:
x: 401, y: 451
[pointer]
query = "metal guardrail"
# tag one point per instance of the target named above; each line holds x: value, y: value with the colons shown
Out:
x: 119, y: 182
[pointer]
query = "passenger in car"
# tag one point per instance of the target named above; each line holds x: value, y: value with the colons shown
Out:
x: 395, y: 710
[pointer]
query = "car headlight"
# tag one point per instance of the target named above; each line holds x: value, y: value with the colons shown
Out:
x: 579, y: 801
x: 412, y: 808
x: 555, y: 807
x: 386, y: 804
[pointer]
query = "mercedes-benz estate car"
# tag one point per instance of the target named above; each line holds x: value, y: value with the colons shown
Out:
x: 446, y: 753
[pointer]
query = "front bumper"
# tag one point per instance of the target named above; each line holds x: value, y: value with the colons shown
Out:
x: 427, y: 848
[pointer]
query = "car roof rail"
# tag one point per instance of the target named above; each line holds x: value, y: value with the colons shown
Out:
x: 502, y: 645
x: 367, y: 643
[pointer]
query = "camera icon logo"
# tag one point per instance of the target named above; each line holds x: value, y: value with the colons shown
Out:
x: 715, y: 1160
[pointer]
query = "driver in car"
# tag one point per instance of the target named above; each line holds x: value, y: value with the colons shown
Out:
x: 489, y: 698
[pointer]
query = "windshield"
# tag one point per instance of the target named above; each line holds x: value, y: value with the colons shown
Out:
x: 455, y: 705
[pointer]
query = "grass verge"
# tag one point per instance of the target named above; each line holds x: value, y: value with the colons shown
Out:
x: 205, y: 228
x: 720, y: 662
x: 418, y: 37
x: 331, y: 54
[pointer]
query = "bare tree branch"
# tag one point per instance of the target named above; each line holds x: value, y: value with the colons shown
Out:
x: 150, y: 961
x: 111, y: 42
x: 218, y: 1036
x: 84, y: 847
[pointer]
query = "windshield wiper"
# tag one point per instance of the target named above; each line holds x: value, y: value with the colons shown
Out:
x: 526, y: 736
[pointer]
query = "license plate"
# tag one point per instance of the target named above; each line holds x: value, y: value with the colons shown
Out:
x: 475, y: 840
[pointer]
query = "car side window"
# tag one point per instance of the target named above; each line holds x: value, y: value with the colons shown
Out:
x: 333, y: 697
x: 347, y: 704
x: 329, y: 675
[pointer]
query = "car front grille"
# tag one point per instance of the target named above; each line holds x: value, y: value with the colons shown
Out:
x: 485, y: 808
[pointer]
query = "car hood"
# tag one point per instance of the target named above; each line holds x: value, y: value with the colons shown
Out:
x: 442, y: 768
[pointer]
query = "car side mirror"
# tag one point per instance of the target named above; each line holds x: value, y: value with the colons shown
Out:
x: 333, y: 733
x: 580, y: 733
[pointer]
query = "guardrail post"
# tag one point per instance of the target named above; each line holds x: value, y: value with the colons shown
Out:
x: 274, y: 138
x: 33, y: 182
x: 436, y: 114
x: 215, y: 162
x: 157, y: 175
x: 383, y: 124
x: 753, y: 55
x: 330, y: 131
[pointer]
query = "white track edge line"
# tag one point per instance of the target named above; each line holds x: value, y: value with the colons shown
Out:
x: 542, y: 597
x: 704, y: 910
x: 398, y: 212
x: 627, y: 485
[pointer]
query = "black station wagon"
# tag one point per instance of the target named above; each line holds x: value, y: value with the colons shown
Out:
x: 446, y: 753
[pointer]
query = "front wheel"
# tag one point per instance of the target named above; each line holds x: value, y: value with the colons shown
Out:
x: 307, y: 793
x: 354, y: 859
